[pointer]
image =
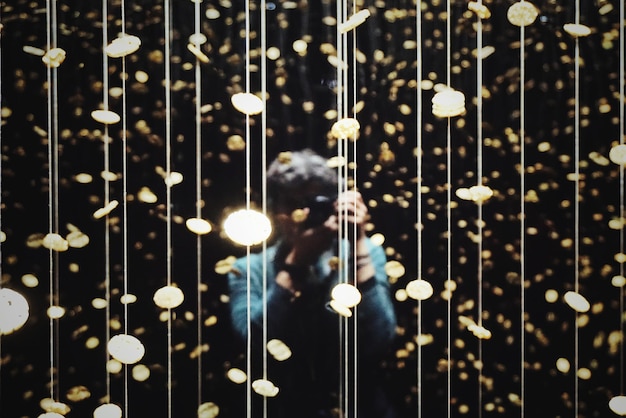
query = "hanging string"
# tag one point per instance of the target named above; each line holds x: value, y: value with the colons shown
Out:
x: 168, y: 172
x: 522, y: 232
x: 107, y: 192
x: 248, y: 252
x: 479, y: 175
x: 449, y: 216
x: 622, y: 133
x: 355, y: 345
x: 53, y: 191
x: 576, y: 200
x: 263, y: 29
x: 198, y: 175
x: 341, y: 179
x: 420, y: 180
x: 124, y: 198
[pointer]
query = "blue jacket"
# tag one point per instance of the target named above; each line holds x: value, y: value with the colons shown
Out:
x: 317, y: 336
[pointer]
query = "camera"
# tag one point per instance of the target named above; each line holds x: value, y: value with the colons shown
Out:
x: 320, y: 209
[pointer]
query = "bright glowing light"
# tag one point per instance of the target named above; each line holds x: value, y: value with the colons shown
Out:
x: 346, y: 294
x: 13, y: 311
x: 247, y: 227
x: 126, y: 348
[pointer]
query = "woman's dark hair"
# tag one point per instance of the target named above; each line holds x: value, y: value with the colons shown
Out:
x: 293, y: 171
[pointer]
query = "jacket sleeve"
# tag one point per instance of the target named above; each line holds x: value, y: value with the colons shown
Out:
x: 376, y: 313
x: 279, y: 300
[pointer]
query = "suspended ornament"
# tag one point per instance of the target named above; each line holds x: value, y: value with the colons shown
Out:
x: 126, y: 348
x: 168, y: 297
x: 78, y: 393
x: 197, y: 52
x: 55, y: 242
x: 107, y: 410
x: 77, y: 239
x: 236, y: 375
x: 419, y: 289
x: 448, y: 103
x: 479, y: 331
x: 146, y: 195
x: 480, y: 9
x: 353, y: 21
x: 208, y: 410
x: 563, y: 365
x: 346, y: 128
x: 340, y: 308
x: 265, y: 388
x: 577, y: 30
x: 576, y: 301
x: 173, y: 178
x: 617, y: 404
x: 104, y: 211
x: 247, y: 103
x: 522, y: 13
x: 50, y: 405
x: 50, y: 415
x: 478, y: 193
x: 617, y: 154
x: 107, y: 117
x: 55, y: 312
x: 346, y: 294
x: 198, y: 226
x: 247, y: 227
x: 278, y: 349
x: 13, y: 311
x: 394, y: 269
x: 141, y: 372
x: 123, y: 45
x: 54, y: 57
x: 618, y: 281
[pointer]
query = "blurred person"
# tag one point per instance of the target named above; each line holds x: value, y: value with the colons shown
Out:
x: 300, y: 275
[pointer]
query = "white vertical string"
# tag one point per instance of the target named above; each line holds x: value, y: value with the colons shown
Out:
x: 479, y: 175
x: 53, y: 190
x: 247, y: 197
x: 168, y: 187
x: 124, y: 198
x: 622, y: 133
x: 420, y: 180
x: 355, y: 345
x: 576, y: 202
x: 449, y: 216
x: 263, y: 57
x: 522, y: 231
x: 341, y: 178
x: 107, y: 194
x: 198, y: 143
